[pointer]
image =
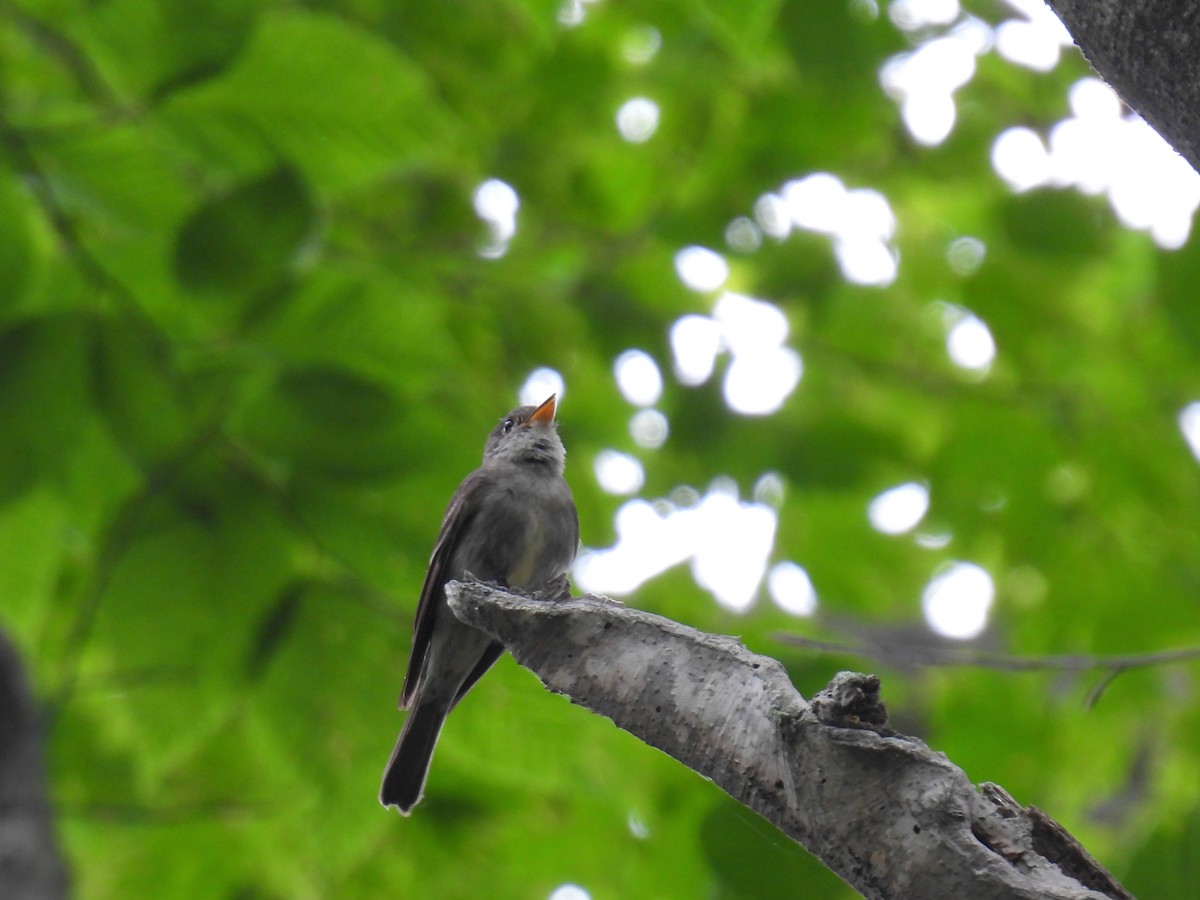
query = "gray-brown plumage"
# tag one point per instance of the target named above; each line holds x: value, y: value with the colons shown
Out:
x: 512, y: 521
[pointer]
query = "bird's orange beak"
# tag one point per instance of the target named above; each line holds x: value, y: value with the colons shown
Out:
x: 544, y: 414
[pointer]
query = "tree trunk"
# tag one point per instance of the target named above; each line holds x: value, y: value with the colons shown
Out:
x: 1147, y: 51
x: 30, y: 866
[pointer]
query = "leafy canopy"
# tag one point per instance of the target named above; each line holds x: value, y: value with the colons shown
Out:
x: 249, y: 343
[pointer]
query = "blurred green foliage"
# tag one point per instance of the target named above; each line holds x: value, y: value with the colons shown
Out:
x: 248, y: 347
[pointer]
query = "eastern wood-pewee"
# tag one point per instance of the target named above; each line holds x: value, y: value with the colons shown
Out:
x: 512, y: 521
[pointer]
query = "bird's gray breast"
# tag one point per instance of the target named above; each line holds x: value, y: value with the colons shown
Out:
x: 523, y: 533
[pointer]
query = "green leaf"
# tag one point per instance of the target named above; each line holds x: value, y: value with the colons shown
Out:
x: 752, y: 860
x: 339, y: 103
x: 138, y: 391
x: 43, y: 398
x: 16, y: 244
x: 1163, y: 864
x: 243, y: 242
x: 147, y: 48
x: 329, y: 422
x: 741, y: 26
x: 1055, y: 223
x: 1178, y: 275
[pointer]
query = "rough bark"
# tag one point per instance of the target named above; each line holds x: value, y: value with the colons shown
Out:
x: 892, y: 817
x: 30, y: 866
x: 1147, y: 51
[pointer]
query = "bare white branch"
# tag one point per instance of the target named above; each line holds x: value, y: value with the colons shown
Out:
x: 889, y: 815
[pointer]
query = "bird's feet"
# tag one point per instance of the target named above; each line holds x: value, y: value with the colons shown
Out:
x: 558, y: 589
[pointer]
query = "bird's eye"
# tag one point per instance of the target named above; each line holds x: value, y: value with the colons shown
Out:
x: 508, y: 424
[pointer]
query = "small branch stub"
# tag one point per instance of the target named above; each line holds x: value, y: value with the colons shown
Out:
x: 852, y: 700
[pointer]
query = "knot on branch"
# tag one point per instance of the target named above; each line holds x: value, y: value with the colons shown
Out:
x: 851, y: 700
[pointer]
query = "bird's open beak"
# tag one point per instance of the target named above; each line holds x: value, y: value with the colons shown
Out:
x: 544, y: 414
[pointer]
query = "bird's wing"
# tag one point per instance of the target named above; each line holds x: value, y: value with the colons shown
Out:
x: 462, y: 510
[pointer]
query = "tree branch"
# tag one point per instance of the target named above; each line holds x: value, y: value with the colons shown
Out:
x: 886, y: 813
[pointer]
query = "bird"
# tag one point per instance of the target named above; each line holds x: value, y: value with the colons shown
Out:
x: 511, y: 522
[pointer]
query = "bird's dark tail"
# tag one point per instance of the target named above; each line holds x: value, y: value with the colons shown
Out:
x: 404, y: 777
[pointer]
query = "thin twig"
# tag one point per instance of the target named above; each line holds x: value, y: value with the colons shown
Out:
x: 933, y: 656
